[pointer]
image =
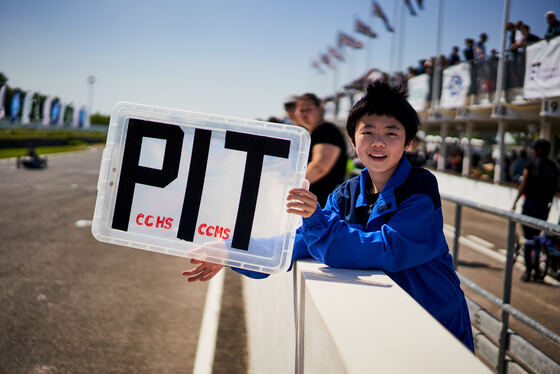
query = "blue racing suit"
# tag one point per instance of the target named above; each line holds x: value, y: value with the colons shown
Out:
x: 403, y: 237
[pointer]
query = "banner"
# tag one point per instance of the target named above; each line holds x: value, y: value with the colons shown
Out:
x: 55, y: 112
x: 2, y: 99
x: 418, y: 91
x: 16, y: 105
x: 61, y: 115
x: 542, y: 71
x: 47, y: 111
x: 201, y: 186
x: 27, y: 105
x: 456, y: 85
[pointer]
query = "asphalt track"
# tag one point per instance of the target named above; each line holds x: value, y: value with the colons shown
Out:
x: 70, y: 304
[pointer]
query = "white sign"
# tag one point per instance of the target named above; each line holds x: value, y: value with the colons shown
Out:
x: 418, y: 91
x: 542, y: 70
x: 456, y: 85
x: 200, y: 186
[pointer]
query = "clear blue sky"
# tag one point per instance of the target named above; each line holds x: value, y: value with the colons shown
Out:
x: 235, y: 58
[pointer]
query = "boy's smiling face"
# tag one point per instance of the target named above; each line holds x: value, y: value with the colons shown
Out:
x: 380, y: 144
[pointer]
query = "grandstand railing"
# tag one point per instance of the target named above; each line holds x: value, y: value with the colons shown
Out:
x: 525, y: 356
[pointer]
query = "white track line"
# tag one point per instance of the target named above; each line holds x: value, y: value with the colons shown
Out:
x: 209, y: 328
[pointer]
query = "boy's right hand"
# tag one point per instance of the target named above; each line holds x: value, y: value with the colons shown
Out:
x: 301, y: 202
x: 203, y: 272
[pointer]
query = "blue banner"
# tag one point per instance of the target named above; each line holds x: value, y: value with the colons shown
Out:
x: 16, y: 106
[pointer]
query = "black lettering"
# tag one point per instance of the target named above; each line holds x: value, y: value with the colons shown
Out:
x: 195, y: 184
x: 256, y: 147
x: 132, y: 173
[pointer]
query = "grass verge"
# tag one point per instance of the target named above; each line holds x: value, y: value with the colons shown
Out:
x: 14, y: 152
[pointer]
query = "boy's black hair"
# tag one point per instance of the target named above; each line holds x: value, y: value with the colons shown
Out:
x: 382, y: 99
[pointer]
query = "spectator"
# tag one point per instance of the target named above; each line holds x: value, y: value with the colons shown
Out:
x: 541, y: 179
x: 326, y: 166
x: 454, y: 56
x: 411, y: 72
x: 553, y: 25
x: 290, y: 108
x: 510, y: 28
x: 468, y: 52
x: 421, y: 67
x: 518, y: 166
x: 520, y: 46
x: 414, y: 154
x: 518, y: 35
x: 480, y: 46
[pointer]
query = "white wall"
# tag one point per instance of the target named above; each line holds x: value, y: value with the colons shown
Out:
x: 487, y: 193
x: 350, y: 321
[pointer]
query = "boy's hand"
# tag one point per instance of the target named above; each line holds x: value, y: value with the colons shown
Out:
x: 203, y: 272
x: 301, y: 202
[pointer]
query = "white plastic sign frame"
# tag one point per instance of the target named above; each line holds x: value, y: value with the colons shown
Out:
x: 200, y: 186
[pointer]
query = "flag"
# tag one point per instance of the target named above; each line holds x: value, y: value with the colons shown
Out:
x: 334, y: 53
x: 420, y: 5
x: 410, y: 7
x: 345, y: 39
x: 47, y: 111
x: 27, y: 105
x: 327, y: 61
x: 16, y: 105
x: 363, y: 28
x: 378, y: 12
x: 2, y: 99
x: 316, y: 65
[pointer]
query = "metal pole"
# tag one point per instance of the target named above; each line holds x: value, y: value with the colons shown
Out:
x: 436, y: 67
x: 402, y: 23
x: 91, y: 81
x: 501, y: 64
x: 458, y: 209
x: 394, y: 36
x: 504, y: 337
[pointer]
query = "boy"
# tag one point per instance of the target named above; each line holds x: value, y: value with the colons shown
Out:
x: 389, y: 217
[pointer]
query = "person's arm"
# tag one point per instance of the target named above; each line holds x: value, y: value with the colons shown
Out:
x: 521, y: 188
x: 324, y: 157
x: 412, y: 236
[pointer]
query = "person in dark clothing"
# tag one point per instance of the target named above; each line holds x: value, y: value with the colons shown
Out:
x: 454, y: 56
x: 326, y: 167
x: 540, y: 182
x: 468, y: 52
x: 553, y: 25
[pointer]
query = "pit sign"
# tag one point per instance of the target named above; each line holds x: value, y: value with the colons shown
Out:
x: 201, y: 186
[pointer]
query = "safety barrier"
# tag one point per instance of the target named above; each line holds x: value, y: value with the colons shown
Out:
x: 522, y: 352
x: 317, y: 319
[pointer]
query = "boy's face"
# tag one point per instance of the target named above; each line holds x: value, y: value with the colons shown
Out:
x: 380, y: 143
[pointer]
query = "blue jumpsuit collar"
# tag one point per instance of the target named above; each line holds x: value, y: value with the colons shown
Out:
x: 397, y: 179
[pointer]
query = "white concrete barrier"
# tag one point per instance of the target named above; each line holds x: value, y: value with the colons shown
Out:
x: 494, y: 195
x: 317, y: 319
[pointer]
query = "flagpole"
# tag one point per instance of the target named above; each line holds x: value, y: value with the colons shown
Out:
x: 369, y: 45
x: 436, y: 67
x: 394, y: 36
x: 401, y: 38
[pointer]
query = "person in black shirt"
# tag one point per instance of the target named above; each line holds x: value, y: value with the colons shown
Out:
x: 326, y: 166
x: 539, y: 184
x: 468, y: 52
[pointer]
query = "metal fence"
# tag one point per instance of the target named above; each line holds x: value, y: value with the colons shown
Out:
x: 504, y: 303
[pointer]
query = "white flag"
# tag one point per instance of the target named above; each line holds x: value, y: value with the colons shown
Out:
x: 542, y: 73
x: 456, y: 85
x: 47, y: 111
x: 27, y: 105
x: 2, y: 98
x: 418, y: 91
